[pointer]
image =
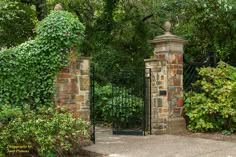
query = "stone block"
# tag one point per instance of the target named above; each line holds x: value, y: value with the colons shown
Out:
x: 62, y: 81
x: 180, y: 102
x: 180, y: 72
x: 176, y: 126
x: 67, y: 87
x: 159, y: 82
x: 72, y: 96
x: 59, y: 88
x: 74, y: 86
x: 71, y: 107
x: 180, y: 66
x: 176, y: 82
x: 83, y: 115
x: 65, y: 69
x: 177, y: 110
x: 80, y: 98
x: 180, y: 58
x: 155, y: 113
x: 164, y: 110
x: 159, y: 102
x: 154, y: 90
x: 158, y: 131
x: 84, y: 83
x: 63, y: 96
x: 162, y: 77
x: 161, y: 87
x: 85, y: 72
x: 73, y: 65
x: 64, y: 75
x: 163, y: 63
x: 84, y: 67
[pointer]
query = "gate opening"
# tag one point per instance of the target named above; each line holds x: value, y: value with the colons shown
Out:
x: 130, y: 104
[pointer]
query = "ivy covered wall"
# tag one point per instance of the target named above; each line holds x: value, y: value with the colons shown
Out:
x: 28, y: 71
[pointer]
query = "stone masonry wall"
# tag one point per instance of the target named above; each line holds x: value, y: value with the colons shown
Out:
x: 166, y: 66
x: 159, y: 103
x: 175, y: 84
x: 73, y: 87
x: 166, y: 90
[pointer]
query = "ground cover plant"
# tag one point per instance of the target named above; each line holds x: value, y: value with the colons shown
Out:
x: 213, y: 107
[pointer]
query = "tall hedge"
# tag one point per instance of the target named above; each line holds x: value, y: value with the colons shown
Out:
x: 27, y: 72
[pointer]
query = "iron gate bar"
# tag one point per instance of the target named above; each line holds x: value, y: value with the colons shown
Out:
x: 144, y: 101
x: 150, y: 99
x: 130, y: 97
x: 124, y: 100
x: 92, y: 102
x: 190, y: 72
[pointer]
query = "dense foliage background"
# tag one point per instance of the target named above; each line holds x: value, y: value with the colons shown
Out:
x: 117, y: 30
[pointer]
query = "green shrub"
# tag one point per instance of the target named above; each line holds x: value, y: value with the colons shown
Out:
x: 214, y: 108
x: 103, y: 93
x: 123, y: 107
x: 28, y: 71
x: 50, y: 132
x: 113, y: 103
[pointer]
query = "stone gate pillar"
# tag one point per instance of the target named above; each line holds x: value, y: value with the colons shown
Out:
x: 72, y: 87
x: 167, y: 83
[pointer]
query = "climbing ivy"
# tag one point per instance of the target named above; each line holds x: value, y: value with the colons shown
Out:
x: 28, y: 71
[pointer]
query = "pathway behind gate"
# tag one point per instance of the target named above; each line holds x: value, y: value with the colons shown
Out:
x: 159, y: 146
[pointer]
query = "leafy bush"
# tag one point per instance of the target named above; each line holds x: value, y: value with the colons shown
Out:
x: 124, y: 107
x: 50, y: 132
x: 103, y: 93
x: 113, y: 103
x: 28, y: 70
x: 214, y: 108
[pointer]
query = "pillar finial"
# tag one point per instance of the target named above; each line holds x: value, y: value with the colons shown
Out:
x: 58, y: 7
x: 167, y: 27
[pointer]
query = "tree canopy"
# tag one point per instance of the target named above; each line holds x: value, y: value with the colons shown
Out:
x: 117, y: 31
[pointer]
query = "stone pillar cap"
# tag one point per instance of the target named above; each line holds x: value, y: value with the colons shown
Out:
x: 167, y: 36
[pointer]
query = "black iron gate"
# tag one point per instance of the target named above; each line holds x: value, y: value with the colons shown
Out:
x: 131, y: 102
x: 129, y: 110
x: 92, y: 103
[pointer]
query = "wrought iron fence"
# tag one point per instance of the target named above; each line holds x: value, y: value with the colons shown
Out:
x: 190, y: 70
